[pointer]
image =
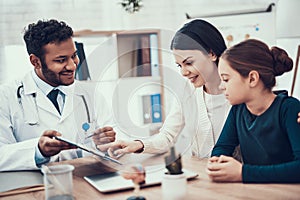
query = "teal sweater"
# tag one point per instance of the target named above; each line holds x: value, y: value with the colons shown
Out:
x: 270, y: 142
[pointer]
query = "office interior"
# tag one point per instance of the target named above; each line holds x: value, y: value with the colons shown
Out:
x: 101, y: 16
x: 102, y: 26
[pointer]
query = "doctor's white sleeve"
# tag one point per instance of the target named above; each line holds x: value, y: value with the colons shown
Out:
x: 14, y: 155
x: 17, y: 155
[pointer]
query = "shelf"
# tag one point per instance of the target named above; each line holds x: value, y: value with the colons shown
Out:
x: 129, y: 66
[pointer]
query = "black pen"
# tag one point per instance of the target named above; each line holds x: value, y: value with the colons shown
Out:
x: 95, y: 134
x: 92, y: 135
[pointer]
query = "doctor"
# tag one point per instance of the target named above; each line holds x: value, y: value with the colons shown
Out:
x: 28, y: 118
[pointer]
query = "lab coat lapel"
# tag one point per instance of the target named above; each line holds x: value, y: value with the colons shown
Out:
x: 42, y: 100
x: 73, y: 100
x: 69, y: 101
x: 44, y: 103
x: 68, y: 106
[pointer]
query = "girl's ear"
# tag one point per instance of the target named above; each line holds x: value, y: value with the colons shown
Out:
x: 35, y: 61
x: 253, y: 78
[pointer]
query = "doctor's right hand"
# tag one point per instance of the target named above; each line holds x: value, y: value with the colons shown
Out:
x: 49, y: 146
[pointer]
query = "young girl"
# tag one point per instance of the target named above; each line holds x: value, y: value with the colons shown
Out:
x: 262, y: 123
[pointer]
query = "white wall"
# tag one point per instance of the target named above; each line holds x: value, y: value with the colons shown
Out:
x: 288, y: 38
x: 108, y: 15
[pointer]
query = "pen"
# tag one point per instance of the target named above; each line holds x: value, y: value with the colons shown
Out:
x: 93, y: 134
x: 99, y: 132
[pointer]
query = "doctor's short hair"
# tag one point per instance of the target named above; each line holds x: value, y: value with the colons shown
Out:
x: 43, y: 32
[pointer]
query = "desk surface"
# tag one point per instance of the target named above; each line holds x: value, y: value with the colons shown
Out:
x: 199, y: 188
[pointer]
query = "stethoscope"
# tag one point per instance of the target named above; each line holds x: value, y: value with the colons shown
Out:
x: 32, y: 118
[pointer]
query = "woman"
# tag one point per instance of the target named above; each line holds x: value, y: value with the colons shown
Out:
x: 203, y: 108
x: 262, y: 123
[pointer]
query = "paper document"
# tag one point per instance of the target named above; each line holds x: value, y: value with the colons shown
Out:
x: 15, y: 182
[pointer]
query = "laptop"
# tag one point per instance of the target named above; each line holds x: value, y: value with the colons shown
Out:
x: 113, y: 182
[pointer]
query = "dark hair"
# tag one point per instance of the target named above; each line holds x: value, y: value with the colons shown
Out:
x: 42, y: 33
x: 199, y: 35
x: 253, y: 54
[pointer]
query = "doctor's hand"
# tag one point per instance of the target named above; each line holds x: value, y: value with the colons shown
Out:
x: 121, y: 147
x: 103, y: 136
x: 298, y: 117
x: 224, y: 169
x: 49, y: 146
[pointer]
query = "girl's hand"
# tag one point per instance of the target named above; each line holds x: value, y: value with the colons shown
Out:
x: 224, y: 169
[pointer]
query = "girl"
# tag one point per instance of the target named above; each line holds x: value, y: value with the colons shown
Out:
x: 262, y: 123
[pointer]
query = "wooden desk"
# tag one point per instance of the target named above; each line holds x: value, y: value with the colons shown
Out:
x: 199, y: 188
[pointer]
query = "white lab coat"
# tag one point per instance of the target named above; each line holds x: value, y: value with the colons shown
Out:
x: 189, y: 119
x: 19, y: 136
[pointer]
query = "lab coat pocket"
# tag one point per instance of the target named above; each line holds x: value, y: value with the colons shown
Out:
x: 28, y: 131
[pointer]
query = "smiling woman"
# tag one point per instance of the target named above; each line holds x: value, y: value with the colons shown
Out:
x: 203, y: 108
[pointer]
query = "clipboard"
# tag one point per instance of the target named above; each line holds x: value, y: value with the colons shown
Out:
x: 92, y: 151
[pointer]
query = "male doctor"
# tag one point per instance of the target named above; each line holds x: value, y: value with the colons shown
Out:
x: 28, y: 118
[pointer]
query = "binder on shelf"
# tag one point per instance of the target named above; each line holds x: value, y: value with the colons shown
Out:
x: 154, y: 55
x: 151, y: 108
x: 156, y: 108
x: 143, y: 56
x: 134, y: 67
x: 147, y: 110
x: 82, y: 71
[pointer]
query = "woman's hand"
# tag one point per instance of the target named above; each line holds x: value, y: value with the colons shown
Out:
x: 121, y: 147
